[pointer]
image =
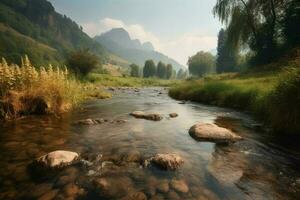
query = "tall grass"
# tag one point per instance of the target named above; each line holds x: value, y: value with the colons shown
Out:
x: 23, y: 86
x: 273, y: 98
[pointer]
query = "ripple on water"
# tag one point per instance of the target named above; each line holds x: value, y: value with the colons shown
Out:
x: 248, y: 169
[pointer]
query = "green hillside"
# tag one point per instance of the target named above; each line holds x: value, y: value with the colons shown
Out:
x: 33, y: 27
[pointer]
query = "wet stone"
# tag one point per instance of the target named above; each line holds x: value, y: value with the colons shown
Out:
x: 157, y: 197
x: 173, y: 115
x: 135, y: 196
x: 213, y: 133
x: 179, y: 186
x: 49, y: 195
x: 163, y: 186
x: 173, y: 195
x: 165, y: 161
x: 57, y: 159
x: 40, y: 189
x: 148, y: 116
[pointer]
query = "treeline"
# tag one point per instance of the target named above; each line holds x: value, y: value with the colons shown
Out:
x: 256, y: 33
x: 161, y: 70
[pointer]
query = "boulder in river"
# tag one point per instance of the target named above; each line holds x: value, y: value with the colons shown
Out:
x: 173, y: 115
x: 212, y: 132
x: 57, y: 159
x: 165, y: 161
x: 148, y: 116
x: 87, y: 122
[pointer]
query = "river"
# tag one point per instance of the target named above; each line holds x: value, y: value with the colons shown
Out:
x: 254, y: 168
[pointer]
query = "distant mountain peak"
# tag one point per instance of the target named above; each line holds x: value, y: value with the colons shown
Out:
x: 122, y: 38
x: 119, y: 42
x: 148, y: 46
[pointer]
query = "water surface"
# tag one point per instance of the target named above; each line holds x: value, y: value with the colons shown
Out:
x: 255, y: 168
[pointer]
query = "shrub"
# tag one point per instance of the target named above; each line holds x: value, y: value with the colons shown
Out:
x: 26, y: 90
x: 82, y: 62
x: 284, y: 102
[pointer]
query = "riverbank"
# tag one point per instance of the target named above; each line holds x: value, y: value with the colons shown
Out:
x: 27, y: 90
x: 115, y: 81
x: 272, y: 97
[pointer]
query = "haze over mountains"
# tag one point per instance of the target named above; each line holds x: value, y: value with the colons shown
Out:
x: 119, y: 42
x: 33, y: 27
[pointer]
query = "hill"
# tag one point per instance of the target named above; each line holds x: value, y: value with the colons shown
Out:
x: 119, y: 42
x: 33, y: 27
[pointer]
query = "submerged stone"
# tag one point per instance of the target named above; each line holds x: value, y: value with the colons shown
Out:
x: 148, y: 116
x: 173, y: 115
x: 165, y: 161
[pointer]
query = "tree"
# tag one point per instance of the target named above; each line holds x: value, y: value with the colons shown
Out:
x: 161, y: 70
x: 135, y: 70
x: 291, y: 23
x: 182, y: 74
x: 82, y: 62
x: 254, y: 24
x: 201, y: 63
x: 149, y: 69
x: 226, y: 56
x: 169, y: 71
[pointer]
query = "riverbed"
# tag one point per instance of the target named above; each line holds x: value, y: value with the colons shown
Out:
x: 254, y: 168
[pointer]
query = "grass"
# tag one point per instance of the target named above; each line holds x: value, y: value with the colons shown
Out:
x: 271, y: 97
x: 26, y: 90
x: 112, y: 81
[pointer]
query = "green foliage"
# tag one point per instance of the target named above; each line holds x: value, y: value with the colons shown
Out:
x: 161, y: 70
x: 201, y: 63
x: 227, y: 56
x: 149, y: 69
x: 36, y: 22
x: 134, y: 70
x: 273, y: 98
x: 291, y: 23
x: 82, y: 62
x: 182, y: 74
x: 169, y: 71
x: 284, y: 102
x: 259, y: 25
x: 113, y: 81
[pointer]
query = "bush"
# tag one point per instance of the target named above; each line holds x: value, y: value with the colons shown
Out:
x: 26, y: 90
x: 285, y: 102
x: 82, y: 62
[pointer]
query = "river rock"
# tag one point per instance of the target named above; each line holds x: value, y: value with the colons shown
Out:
x: 112, y: 187
x: 165, y: 161
x: 135, y: 196
x: 49, y: 195
x: 57, y: 159
x: 179, y: 186
x: 173, y: 115
x: 87, y: 122
x: 163, y: 186
x: 212, y: 132
x: 148, y: 116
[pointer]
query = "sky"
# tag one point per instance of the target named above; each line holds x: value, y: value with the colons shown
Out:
x: 177, y: 28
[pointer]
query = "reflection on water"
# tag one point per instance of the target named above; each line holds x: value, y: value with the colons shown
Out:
x: 249, y: 169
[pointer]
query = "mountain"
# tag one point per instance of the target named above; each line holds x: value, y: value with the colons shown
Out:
x: 119, y: 42
x: 33, y: 27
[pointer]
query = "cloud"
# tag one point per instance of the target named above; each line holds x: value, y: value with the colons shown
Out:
x: 179, y: 48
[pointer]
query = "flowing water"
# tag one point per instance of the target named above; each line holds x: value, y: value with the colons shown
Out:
x: 255, y: 168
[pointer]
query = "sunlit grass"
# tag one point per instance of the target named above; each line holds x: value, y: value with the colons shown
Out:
x: 272, y: 97
x: 112, y: 81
